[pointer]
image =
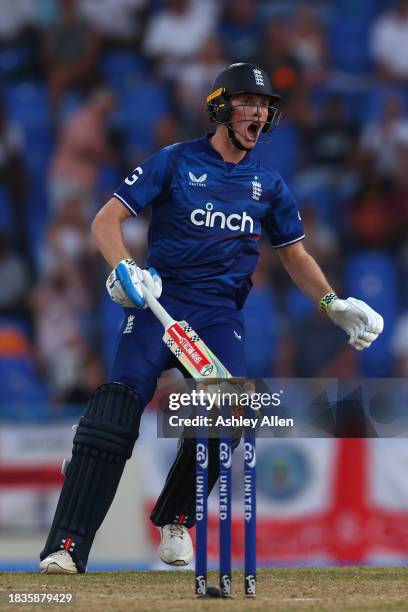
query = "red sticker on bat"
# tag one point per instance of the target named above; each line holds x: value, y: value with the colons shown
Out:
x: 196, y: 357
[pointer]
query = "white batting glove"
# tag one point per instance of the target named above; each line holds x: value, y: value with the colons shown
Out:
x: 362, y: 324
x: 128, y: 274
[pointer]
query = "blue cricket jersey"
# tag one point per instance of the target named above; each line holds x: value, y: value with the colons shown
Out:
x: 206, y: 219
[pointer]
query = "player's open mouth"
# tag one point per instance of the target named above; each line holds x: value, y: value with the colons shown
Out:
x: 253, y: 129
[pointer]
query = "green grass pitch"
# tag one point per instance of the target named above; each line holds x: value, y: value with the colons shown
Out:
x: 332, y: 588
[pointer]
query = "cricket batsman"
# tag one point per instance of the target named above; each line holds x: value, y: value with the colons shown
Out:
x: 210, y: 200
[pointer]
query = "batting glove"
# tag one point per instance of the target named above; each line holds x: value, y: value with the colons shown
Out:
x: 362, y: 324
x: 125, y: 284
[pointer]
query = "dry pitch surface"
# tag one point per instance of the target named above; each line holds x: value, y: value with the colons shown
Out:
x: 341, y: 588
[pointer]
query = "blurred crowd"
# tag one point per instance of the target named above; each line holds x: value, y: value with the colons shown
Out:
x: 91, y: 87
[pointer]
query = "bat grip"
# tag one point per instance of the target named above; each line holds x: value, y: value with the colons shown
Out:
x: 157, y: 309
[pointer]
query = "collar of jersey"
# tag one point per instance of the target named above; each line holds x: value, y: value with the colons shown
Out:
x: 245, y: 161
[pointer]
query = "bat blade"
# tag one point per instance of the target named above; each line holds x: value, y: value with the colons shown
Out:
x: 192, y: 352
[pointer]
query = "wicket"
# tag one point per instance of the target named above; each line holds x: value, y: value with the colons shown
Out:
x: 225, y: 509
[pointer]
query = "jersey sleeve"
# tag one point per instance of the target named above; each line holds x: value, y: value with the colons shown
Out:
x: 283, y: 223
x: 147, y: 183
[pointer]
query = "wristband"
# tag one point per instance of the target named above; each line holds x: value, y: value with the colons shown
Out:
x: 326, y: 301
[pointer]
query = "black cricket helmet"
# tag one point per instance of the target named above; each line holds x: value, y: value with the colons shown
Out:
x: 238, y: 79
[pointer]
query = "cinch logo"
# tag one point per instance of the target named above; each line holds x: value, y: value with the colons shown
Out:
x: 197, y: 182
x: 211, y: 218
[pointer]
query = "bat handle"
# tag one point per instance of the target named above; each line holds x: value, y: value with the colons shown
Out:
x: 157, y: 309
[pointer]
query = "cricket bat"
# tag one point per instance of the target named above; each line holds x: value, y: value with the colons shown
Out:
x: 196, y: 357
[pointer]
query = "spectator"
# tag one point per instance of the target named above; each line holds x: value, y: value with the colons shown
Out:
x: 399, y: 194
x: 82, y: 149
x: 69, y: 242
x: 330, y: 140
x: 19, y: 39
x: 135, y: 233
x: 240, y: 30
x: 309, y: 44
x: 374, y: 223
x: 118, y: 22
x: 70, y: 53
x: 328, y: 154
x: 323, y: 242
x: 168, y: 130
x: 277, y: 57
x: 90, y: 377
x: 380, y: 139
x: 14, y: 17
x: 60, y: 303
x: 12, y: 178
x: 389, y: 44
x: 15, y: 282
x: 176, y: 33
x: 194, y: 84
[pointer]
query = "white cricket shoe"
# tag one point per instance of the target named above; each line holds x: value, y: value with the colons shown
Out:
x: 176, y: 547
x: 59, y: 562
